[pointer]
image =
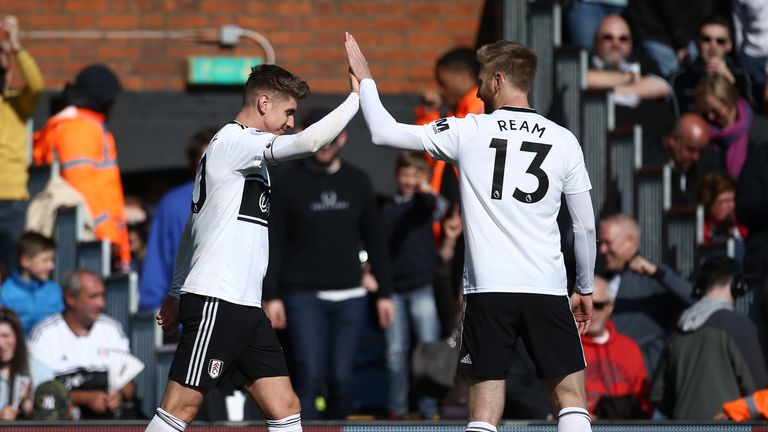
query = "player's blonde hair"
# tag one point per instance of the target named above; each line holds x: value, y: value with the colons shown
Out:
x: 516, y: 61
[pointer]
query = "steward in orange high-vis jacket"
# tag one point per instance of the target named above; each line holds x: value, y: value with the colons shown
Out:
x: 78, y: 139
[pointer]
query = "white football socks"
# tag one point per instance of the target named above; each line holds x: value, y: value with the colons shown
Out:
x: 573, y: 419
x: 291, y: 423
x: 478, y: 426
x: 163, y: 421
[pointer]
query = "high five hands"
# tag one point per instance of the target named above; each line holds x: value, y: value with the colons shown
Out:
x: 358, y: 67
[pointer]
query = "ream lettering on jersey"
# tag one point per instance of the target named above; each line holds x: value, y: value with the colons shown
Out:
x: 329, y: 201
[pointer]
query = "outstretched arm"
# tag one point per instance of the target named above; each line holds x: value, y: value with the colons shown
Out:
x: 385, y: 130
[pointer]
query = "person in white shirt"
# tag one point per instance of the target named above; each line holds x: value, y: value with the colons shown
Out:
x: 76, y: 344
x: 223, y: 254
x: 514, y: 166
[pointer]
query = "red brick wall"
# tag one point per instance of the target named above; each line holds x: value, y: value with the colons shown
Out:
x: 402, y: 38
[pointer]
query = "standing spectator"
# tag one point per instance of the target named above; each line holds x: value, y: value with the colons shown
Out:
x: 407, y: 219
x: 648, y: 296
x: 717, y: 193
x: 750, y: 18
x: 585, y: 15
x: 16, y: 108
x: 76, y: 344
x: 167, y: 226
x: 77, y: 137
x: 323, y: 211
x: 617, y: 380
x: 515, y: 282
x: 684, y: 145
x: 29, y: 291
x: 735, y: 129
x: 640, y: 92
x: 714, y: 356
x: 752, y: 211
x: 15, y: 381
x: 715, y: 47
x: 665, y: 28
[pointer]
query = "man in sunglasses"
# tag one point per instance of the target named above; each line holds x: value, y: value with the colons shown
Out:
x: 617, y: 381
x: 640, y: 92
x: 715, y: 46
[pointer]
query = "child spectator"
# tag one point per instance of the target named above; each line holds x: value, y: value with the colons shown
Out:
x: 28, y: 290
x: 716, y: 191
x: 408, y: 221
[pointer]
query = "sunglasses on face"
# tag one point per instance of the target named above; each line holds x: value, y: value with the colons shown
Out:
x: 710, y: 39
x: 600, y: 305
x: 620, y: 38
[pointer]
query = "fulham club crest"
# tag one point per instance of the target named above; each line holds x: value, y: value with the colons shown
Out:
x: 214, y: 368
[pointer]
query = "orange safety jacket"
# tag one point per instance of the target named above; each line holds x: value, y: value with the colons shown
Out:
x: 468, y: 104
x: 78, y: 139
x: 749, y: 407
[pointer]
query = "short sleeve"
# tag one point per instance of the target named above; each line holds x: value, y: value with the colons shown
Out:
x: 576, y: 176
x: 245, y: 148
x: 441, y: 139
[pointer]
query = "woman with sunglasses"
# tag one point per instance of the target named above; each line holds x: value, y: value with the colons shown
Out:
x: 715, y: 47
x: 15, y: 379
x: 735, y: 130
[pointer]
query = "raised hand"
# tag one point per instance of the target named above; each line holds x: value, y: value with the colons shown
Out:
x: 357, y: 64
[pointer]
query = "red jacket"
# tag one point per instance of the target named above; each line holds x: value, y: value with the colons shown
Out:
x: 614, y: 368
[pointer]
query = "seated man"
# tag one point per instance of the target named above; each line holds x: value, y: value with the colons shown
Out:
x: 714, y: 356
x: 617, y: 382
x: 648, y: 296
x: 640, y: 93
x: 76, y: 344
x: 685, y: 144
x: 715, y: 46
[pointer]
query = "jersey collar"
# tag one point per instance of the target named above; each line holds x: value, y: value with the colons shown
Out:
x: 517, y: 109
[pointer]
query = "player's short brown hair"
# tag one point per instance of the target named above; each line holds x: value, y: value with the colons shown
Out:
x: 273, y: 79
x: 31, y: 243
x: 516, y: 61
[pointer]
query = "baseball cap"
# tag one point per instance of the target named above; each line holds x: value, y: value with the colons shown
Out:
x: 51, y: 401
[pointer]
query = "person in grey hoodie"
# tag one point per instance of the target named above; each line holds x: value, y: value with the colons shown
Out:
x: 714, y: 356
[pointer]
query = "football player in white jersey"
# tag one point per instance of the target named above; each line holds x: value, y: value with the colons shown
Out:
x: 223, y: 254
x: 514, y: 166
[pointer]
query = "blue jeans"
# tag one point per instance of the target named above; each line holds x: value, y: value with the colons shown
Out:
x: 12, y: 218
x: 664, y: 55
x: 324, y: 335
x: 412, y: 309
x: 583, y: 19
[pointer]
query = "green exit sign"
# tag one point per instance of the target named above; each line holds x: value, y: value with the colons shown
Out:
x: 221, y: 70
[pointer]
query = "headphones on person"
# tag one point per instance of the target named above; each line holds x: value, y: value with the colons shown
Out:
x: 718, y: 270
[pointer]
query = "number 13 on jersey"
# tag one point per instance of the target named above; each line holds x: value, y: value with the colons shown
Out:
x: 499, y: 165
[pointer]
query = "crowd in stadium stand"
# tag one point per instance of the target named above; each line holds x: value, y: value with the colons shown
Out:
x: 691, y: 73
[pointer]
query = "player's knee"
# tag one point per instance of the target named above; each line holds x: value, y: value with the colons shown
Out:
x: 285, y: 406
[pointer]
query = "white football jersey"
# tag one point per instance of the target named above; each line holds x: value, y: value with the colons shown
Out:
x: 514, y: 165
x: 226, y: 250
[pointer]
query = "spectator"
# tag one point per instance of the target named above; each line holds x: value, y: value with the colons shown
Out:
x: 29, y: 290
x: 735, y: 130
x: 322, y: 212
x: 665, y: 29
x: 16, y: 108
x: 136, y: 220
x: 76, y: 345
x: 52, y: 402
x: 752, y: 211
x: 617, y: 380
x: 715, y: 47
x: 585, y: 15
x: 750, y: 18
x: 15, y: 379
x: 78, y: 139
x: 648, y: 296
x: 714, y: 356
x: 456, y: 74
x: 717, y: 193
x: 167, y: 226
x: 640, y: 93
x: 684, y: 145
x: 407, y: 219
